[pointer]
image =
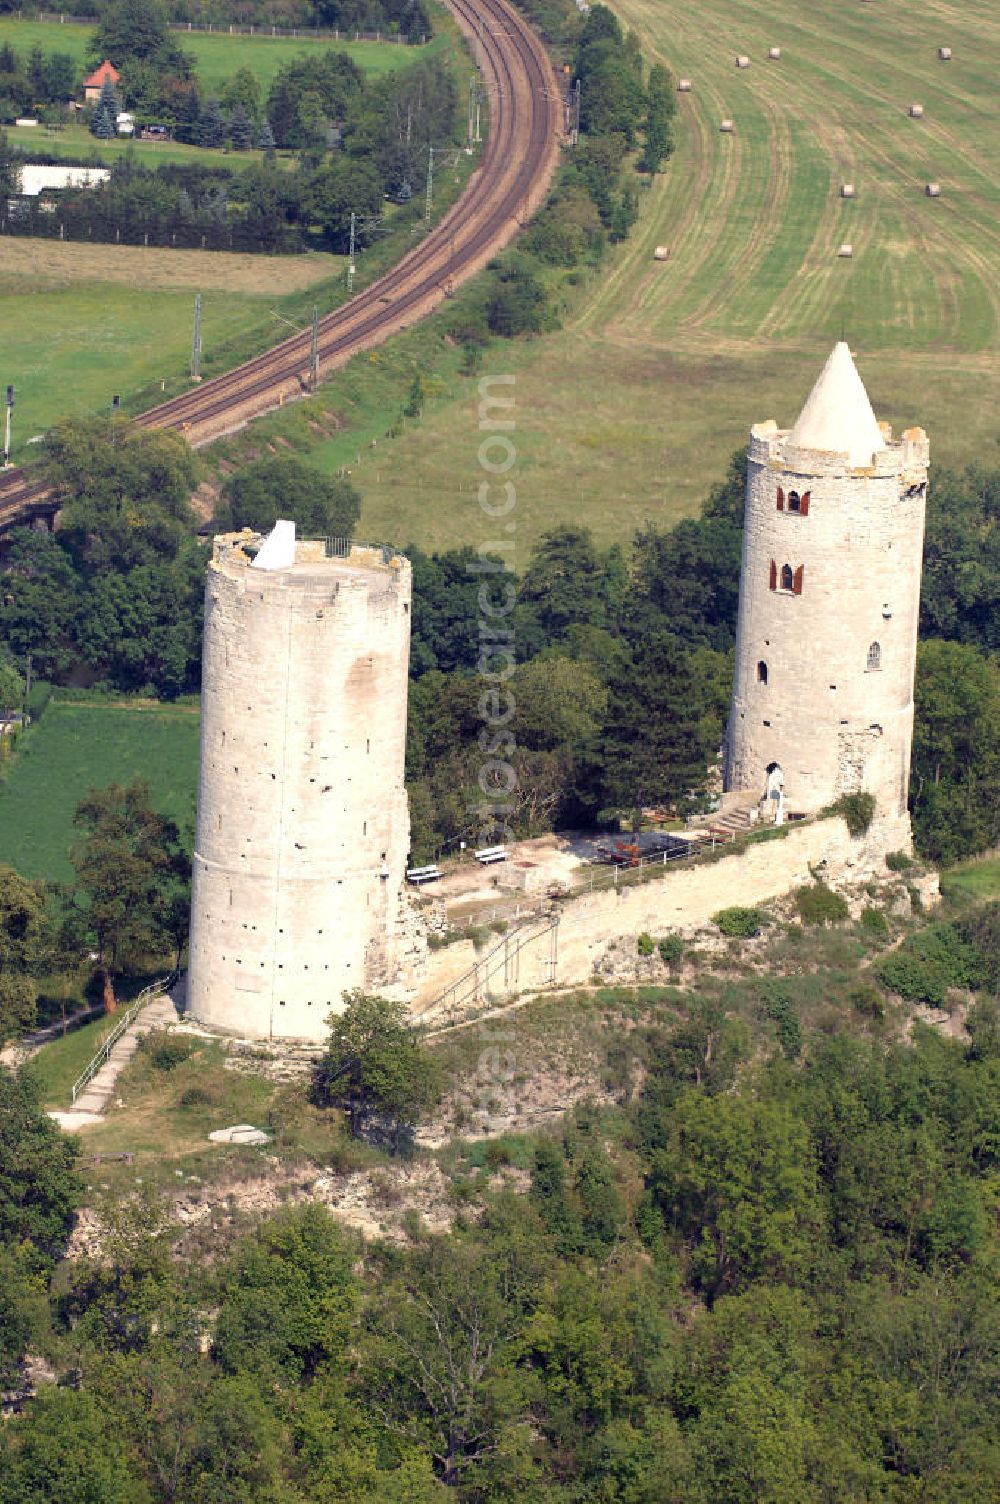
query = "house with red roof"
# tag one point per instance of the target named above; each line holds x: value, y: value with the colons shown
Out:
x: 106, y: 73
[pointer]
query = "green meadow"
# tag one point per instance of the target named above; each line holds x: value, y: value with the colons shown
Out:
x: 83, y: 322
x: 217, y: 56
x: 79, y: 745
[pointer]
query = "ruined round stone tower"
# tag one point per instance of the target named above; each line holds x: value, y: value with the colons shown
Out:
x: 303, y: 827
x: 829, y: 603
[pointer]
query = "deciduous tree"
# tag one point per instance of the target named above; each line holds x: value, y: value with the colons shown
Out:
x: 127, y: 863
x: 376, y: 1069
x: 282, y: 486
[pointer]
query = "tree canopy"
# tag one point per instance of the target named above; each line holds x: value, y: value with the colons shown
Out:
x: 22, y: 934
x: 320, y: 505
x: 130, y: 868
x: 376, y: 1069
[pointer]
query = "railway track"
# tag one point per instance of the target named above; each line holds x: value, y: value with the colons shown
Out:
x: 508, y: 184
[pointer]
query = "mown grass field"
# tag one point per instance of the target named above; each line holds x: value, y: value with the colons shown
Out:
x: 82, y: 745
x: 88, y: 325
x: 631, y: 411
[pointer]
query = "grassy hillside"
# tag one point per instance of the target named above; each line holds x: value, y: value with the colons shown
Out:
x: 216, y: 56
x: 82, y: 745
x: 632, y: 409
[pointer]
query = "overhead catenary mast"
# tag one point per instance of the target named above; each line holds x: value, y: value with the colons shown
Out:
x: 196, y: 340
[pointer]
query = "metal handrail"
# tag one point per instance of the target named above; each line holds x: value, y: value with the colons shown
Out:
x: 479, y: 974
x: 155, y: 989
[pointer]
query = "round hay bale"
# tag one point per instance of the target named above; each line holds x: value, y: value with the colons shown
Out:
x: 846, y: 250
x: 944, y: 54
x: 684, y: 86
x: 661, y: 253
x: 742, y: 61
x: 933, y: 190
x: 847, y: 190
x: 774, y: 53
x: 916, y: 112
x: 728, y: 127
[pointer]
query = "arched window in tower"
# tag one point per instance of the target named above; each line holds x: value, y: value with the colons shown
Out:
x: 762, y: 672
x: 787, y: 577
x: 874, y: 657
x: 794, y: 501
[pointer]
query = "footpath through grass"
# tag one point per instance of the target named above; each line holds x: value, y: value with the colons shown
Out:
x: 82, y: 745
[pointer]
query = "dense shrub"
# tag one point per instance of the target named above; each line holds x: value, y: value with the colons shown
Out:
x: 819, y: 904
x: 671, y: 948
x: 874, y: 923
x: 982, y: 931
x: 777, y: 1005
x: 867, y: 1000
x: 167, y: 1051
x: 929, y: 963
x: 898, y: 861
x: 739, y: 923
x: 857, y: 810
x: 645, y: 944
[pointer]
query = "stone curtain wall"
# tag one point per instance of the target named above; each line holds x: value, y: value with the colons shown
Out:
x: 682, y: 898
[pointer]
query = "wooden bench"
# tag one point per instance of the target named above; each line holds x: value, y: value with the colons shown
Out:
x: 419, y: 875
x: 488, y: 854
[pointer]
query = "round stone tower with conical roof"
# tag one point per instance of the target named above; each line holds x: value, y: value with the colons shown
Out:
x: 829, y: 604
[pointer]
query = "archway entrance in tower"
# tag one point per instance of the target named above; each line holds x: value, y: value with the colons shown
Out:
x: 774, y: 794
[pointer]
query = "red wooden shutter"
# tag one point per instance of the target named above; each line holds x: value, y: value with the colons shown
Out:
x: 804, y: 508
x: 797, y: 580
x: 781, y: 499
x: 774, y: 575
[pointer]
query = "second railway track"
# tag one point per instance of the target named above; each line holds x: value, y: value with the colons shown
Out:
x: 508, y: 184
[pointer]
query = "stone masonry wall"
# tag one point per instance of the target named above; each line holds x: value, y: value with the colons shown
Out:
x: 682, y: 898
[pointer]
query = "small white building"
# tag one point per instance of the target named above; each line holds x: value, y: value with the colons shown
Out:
x: 37, y: 178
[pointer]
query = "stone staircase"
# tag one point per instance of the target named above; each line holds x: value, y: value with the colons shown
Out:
x: 735, y: 816
x: 728, y: 825
x: 155, y: 1015
x: 92, y: 1099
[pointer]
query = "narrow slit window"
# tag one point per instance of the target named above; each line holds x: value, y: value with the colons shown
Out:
x: 762, y: 672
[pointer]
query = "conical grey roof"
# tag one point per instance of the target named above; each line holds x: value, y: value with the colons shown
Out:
x: 838, y: 417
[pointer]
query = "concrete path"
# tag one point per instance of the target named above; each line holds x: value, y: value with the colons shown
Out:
x: 14, y: 1055
x: 93, y: 1099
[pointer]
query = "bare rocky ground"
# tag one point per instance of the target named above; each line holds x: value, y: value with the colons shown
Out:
x: 377, y: 1203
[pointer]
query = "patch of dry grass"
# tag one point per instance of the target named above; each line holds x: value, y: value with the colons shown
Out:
x: 46, y: 264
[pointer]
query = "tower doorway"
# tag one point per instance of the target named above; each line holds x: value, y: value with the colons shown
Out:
x: 774, y: 795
